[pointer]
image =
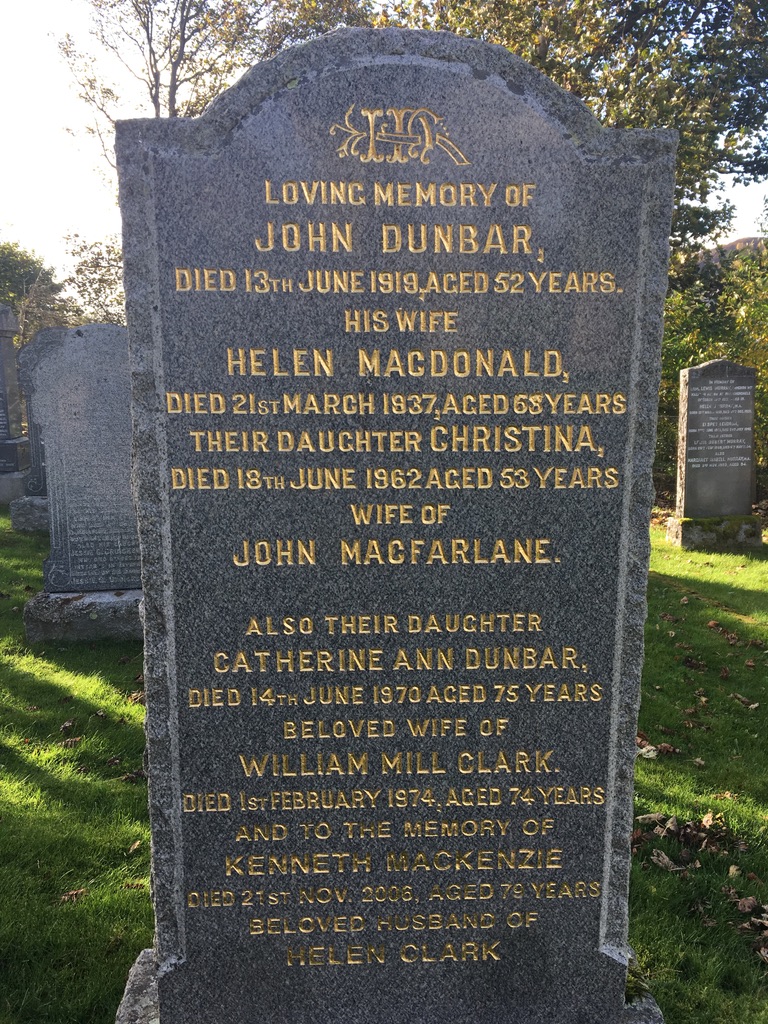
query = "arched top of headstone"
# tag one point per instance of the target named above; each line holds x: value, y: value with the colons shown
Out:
x: 9, y: 325
x: 720, y: 368
x: 51, y: 339
x: 346, y: 52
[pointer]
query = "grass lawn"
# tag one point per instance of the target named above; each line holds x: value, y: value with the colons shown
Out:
x: 74, y: 839
x: 74, y: 836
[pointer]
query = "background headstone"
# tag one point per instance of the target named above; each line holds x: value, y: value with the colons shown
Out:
x: 79, y: 390
x: 395, y: 307
x: 36, y: 484
x: 29, y: 513
x: 716, y: 456
x: 14, y: 446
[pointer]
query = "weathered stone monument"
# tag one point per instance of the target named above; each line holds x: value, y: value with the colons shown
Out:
x: 395, y: 309
x: 716, y: 458
x: 30, y: 512
x: 14, y: 446
x: 79, y: 388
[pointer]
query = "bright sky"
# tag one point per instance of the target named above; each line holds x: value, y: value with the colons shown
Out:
x: 52, y: 174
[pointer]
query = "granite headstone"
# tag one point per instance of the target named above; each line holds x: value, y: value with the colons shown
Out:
x: 14, y: 446
x: 395, y: 309
x: 79, y: 388
x: 716, y: 456
x: 29, y: 513
x: 36, y: 483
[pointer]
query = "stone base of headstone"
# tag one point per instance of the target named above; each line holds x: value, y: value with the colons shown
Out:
x: 29, y: 514
x: 100, y: 615
x: 643, y: 1011
x: 139, y: 1003
x: 719, y: 533
x: 12, y: 486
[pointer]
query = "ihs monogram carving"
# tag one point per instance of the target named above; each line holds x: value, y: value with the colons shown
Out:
x: 403, y: 134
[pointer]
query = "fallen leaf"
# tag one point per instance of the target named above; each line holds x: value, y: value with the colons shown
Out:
x: 651, y: 819
x: 683, y: 600
x: 71, y: 742
x: 699, y: 666
x: 747, y: 905
x: 134, y: 885
x: 734, y: 871
x: 134, y: 846
x: 725, y: 672
x: 713, y: 624
x: 137, y: 697
x: 648, y: 751
x: 74, y: 894
x: 749, y: 663
x: 661, y: 860
x: 667, y: 748
x: 69, y: 724
x: 699, y: 762
x: 744, y: 700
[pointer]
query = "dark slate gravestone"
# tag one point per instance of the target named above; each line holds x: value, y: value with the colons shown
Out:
x: 36, y: 483
x: 395, y: 309
x: 79, y: 387
x: 30, y: 512
x: 716, y: 456
x: 14, y: 446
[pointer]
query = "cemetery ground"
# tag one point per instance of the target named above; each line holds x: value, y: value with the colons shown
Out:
x: 74, y: 835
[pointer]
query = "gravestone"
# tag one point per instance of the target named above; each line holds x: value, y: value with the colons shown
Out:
x: 14, y: 446
x: 79, y: 390
x: 716, y: 458
x: 36, y: 482
x: 30, y: 512
x: 395, y: 308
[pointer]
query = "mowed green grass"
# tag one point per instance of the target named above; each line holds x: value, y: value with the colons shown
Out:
x: 706, y: 647
x: 74, y: 840
x: 74, y: 837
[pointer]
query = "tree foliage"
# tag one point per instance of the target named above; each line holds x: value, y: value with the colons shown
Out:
x: 30, y: 289
x: 182, y: 53
x: 723, y: 314
x: 97, y: 280
x: 700, y: 66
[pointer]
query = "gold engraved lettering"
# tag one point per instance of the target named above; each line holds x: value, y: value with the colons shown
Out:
x: 325, y: 193
x: 459, y: 363
x: 465, y: 239
x: 310, y: 237
x: 297, y: 362
x: 292, y: 766
x: 279, y: 552
x: 449, y: 551
x: 241, y: 865
x: 207, y: 279
x: 409, y: 133
x: 336, y: 956
x: 452, y: 952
